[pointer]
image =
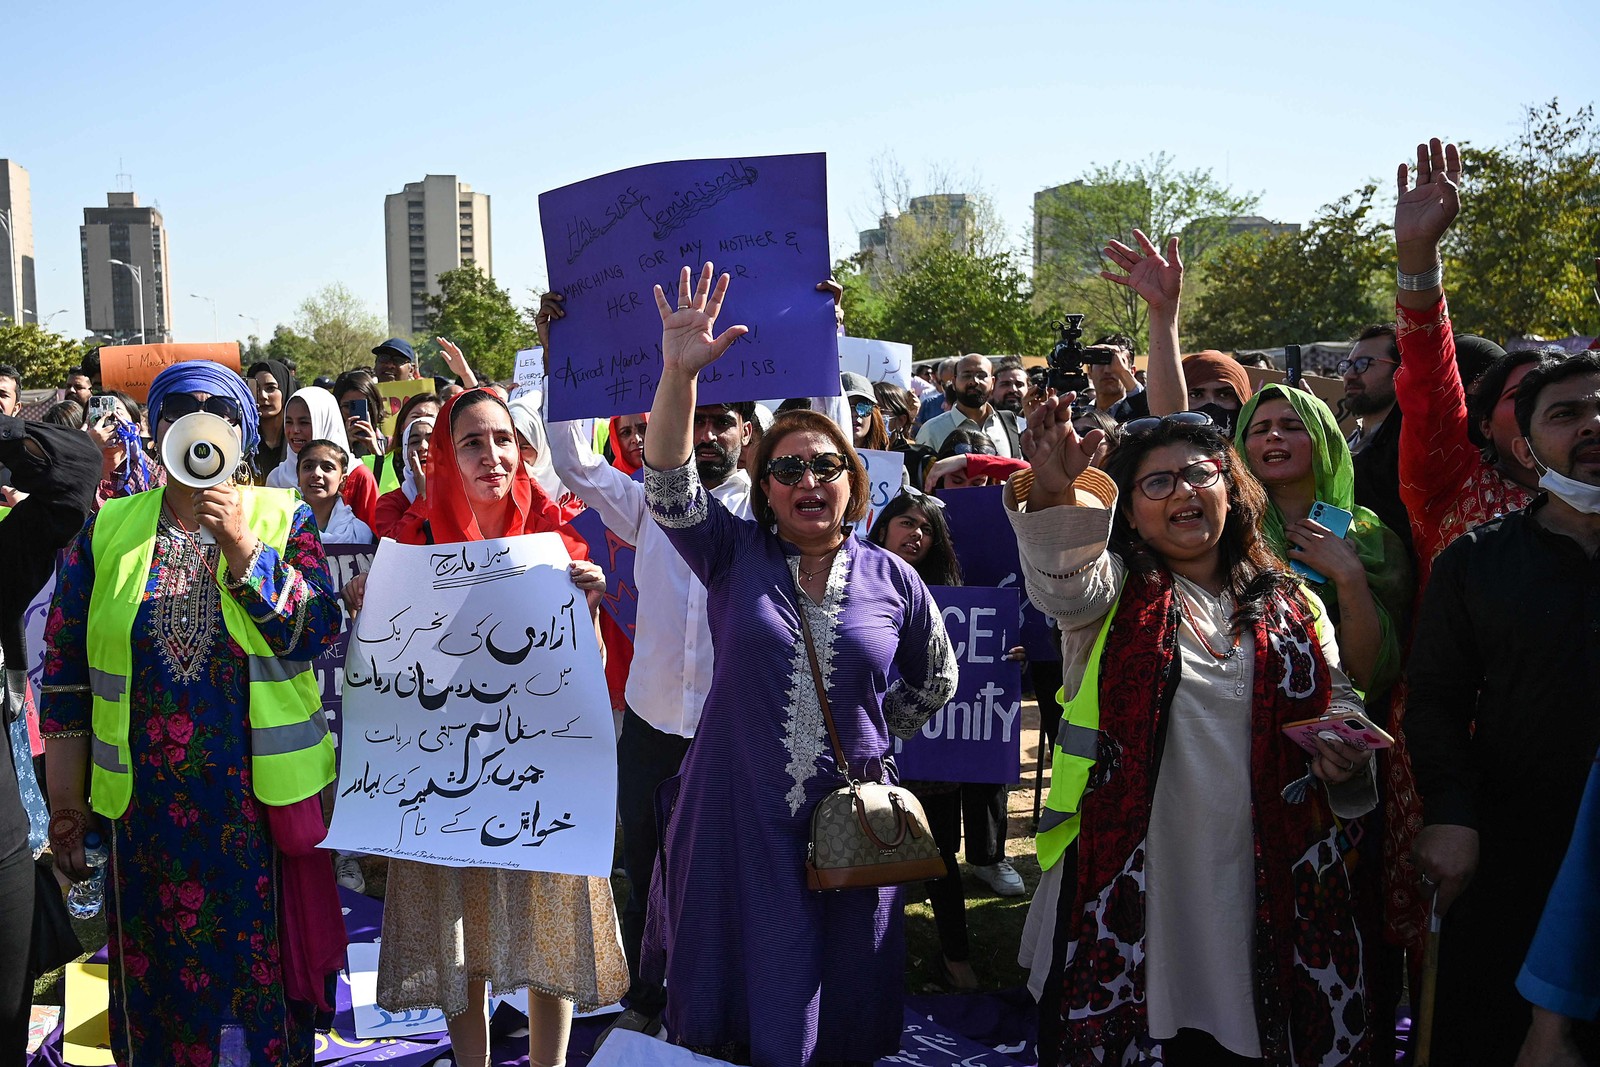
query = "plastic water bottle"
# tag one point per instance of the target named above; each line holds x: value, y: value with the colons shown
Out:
x: 85, y: 898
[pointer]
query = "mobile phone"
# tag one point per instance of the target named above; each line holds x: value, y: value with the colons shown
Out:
x: 1347, y: 725
x: 1337, y: 521
x: 359, y: 409
x: 1291, y: 366
x: 100, y: 407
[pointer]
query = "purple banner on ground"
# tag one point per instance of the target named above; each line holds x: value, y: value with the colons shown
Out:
x: 616, y: 556
x: 609, y: 240
x: 977, y: 736
x: 987, y: 550
x: 344, y: 563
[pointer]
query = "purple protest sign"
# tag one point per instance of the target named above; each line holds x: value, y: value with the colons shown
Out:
x: 609, y: 240
x: 616, y: 556
x: 987, y: 550
x: 977, y: 736
x: 344, y: 563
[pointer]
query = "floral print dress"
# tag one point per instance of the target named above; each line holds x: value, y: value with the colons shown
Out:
x: 192, y: 900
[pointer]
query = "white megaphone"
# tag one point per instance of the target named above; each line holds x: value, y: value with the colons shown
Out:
x: 200, y: 450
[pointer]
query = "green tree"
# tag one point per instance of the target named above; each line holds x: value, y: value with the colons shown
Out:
x: 1519, y: 258
x: 1073, y: 222
x: 298, y: 352
x: 341, y: 329
x: 863, y: 303
x: 478, y: 315
x: 1322, y: 283
x: 947, y: 303
x: 42, y: 357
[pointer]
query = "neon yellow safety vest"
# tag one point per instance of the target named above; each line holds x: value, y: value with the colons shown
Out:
x: 291, y: 751
x: 1077, y: 746
x: 382, y: 468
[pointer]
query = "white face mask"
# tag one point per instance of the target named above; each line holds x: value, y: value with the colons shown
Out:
x: 1579, y: 496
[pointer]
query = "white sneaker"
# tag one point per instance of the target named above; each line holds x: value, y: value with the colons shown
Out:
x: 347, y: 872
x: 1002, y: 878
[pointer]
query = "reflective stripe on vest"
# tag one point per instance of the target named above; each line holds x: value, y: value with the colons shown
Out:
x: 1077, y: 747
x: 292, y: 754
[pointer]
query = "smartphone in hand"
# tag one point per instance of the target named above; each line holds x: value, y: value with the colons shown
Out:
x: 1337, y: 522
x: 1292, y: 375
x: 359, y: 409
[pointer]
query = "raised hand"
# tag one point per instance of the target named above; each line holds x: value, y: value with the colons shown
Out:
x: 1425, y: 211
x: 456, y: 360
x: 1156, y: 278
x: 687, y: 343
x: 550, y: 309
x: 1055, y: 450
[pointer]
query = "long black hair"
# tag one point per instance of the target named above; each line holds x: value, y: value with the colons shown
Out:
x: 939, y: 565
x: 1253, y: 572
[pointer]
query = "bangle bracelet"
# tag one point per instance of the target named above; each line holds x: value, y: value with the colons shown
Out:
x: 1418, y: 283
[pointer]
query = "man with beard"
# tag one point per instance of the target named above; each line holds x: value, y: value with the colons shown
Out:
x: 1368, y: 373
x: 945, y: 398
x: 1502, y: 720
x: 1010, y: 386
x: 672, y: 656
x: 974, y: 373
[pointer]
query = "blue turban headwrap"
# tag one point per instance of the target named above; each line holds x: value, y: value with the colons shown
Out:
x: 203, y: 376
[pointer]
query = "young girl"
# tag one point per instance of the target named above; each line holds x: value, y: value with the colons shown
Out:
x: 311, y: 414
x: 323, y: 468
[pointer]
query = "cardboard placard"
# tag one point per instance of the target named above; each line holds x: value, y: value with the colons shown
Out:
x: 131, y: 368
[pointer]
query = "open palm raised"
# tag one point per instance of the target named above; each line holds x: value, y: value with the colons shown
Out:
x: 688, y: 345
x: 1422, y: 214
x: 1156, y: 278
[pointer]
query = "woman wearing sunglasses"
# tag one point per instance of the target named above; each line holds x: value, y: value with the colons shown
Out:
x: 1215, y: 915
x: 759, y: 969
x: 182, y: 633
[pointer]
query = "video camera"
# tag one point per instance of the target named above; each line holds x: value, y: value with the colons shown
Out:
x: 1069, y: 356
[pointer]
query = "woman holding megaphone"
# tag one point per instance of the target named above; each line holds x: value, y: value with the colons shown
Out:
x: 185, y: 728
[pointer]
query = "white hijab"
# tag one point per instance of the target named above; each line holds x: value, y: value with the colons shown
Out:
x: 327, y: 423
x: 525, y: 417
x: 344, y: 528
x: 409, y: 481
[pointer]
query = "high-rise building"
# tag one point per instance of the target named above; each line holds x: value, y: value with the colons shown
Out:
x: 112, y: 295
x: 19, y: 301
x: 429, y: 227
x: 942, y: 219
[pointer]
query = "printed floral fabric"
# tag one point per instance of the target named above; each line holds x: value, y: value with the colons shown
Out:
x: 192, y: 899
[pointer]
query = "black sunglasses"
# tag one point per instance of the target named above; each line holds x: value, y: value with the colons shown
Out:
x: 826, y: 466
x: 178, y: 405
x: 1152, y: 423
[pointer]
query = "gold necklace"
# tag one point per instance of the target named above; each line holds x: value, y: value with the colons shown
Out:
x: 822, y: 567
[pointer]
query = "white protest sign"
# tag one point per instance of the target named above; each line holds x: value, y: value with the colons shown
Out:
x: 886, y: 472
x: 372, y: 1022
x: 477, y: 727
x: 878, y: 361
x: 528, y: 370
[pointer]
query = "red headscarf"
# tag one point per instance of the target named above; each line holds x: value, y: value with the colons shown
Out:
x: 1214, y: 366
x: 618, y: 460
x: 445, y: 513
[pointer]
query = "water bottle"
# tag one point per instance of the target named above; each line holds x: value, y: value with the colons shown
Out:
x: 85, y: 898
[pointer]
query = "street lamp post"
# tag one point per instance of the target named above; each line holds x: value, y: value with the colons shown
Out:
x: 138, y: 280
x: 13, y: 267
x: 255, y: 325
x: 215, y: 336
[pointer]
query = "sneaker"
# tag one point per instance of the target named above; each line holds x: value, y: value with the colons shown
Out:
x: 347, y: 872
x: 1002, y: 878
x: 648, y: 1025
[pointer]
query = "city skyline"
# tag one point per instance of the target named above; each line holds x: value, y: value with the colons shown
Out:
x: 268, y: 146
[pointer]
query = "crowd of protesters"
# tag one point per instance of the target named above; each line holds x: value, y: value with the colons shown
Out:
x: 1219, y: 559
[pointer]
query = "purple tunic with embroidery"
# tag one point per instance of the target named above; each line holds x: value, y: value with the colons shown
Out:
x: 759, y: 968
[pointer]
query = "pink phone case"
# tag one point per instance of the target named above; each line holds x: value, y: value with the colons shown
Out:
x: 1353, y: 728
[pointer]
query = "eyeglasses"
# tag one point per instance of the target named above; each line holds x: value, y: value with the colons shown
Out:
x: 1153, y: 422
x: 1160, y: 484
x: 863, y: 409
x: 826, y: 466
x: 178, y: 405
x: 1361, y: 363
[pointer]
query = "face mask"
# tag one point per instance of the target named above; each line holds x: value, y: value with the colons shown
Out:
x: 1221, y: 417
x: 1579, y: 496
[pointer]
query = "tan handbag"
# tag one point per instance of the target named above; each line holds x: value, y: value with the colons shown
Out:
x: 864, y: 834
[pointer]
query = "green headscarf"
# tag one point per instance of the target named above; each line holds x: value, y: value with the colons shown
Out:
x: 1382, y: 553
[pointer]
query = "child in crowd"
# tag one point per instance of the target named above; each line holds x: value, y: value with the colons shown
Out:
x: 323, y: 466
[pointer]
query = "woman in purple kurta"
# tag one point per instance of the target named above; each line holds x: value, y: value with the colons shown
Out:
x: 759, y: 968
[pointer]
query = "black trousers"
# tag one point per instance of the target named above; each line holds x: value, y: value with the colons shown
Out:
x: 646, y: 757
x: 16, y: 936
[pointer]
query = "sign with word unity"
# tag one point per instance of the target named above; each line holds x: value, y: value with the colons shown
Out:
x: 608, y: 241
x: 977, y: 736
x: 477, y: 728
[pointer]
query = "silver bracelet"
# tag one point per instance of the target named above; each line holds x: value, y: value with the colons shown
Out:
x: 1419, y: 283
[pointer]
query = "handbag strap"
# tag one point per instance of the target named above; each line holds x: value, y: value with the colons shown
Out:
x: 822, y: 690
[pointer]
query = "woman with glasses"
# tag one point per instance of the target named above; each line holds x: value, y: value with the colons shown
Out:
x: 760, y: 969
x: 1213, y: 904
x: 899, y: 409
x: 183, y: 628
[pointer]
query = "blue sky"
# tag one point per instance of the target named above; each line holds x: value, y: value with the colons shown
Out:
x: 269, y: 135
